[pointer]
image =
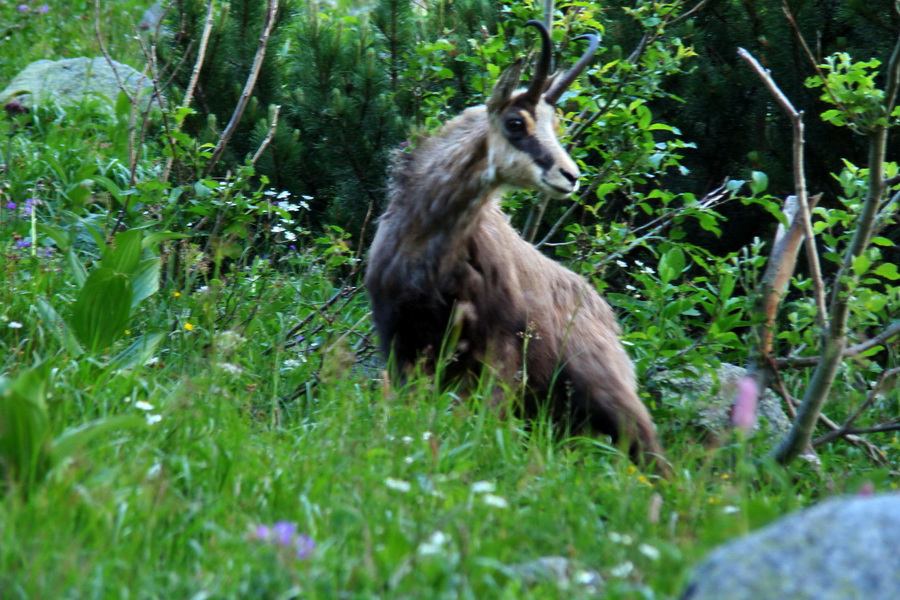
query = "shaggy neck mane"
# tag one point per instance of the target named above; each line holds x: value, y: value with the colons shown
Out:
x: 438, y: 191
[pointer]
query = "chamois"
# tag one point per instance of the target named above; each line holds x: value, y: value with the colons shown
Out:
x: 447, y: 267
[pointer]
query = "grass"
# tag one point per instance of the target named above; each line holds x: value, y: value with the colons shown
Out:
x: 227, y: 427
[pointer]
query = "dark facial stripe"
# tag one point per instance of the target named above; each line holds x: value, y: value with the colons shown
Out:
x: 533, y: 148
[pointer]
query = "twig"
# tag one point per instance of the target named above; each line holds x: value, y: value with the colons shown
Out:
x: 796, y: 118
x: 195, y: 76
x: 275, y: 110
x: 344, y: 292
x: 248, y: 88
x: 847, y: 428
x: 810, y: 361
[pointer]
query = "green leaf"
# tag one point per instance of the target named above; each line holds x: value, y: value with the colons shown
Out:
x: 888, y: 271
x: 78, y: 270
x: 671, y: 264
x: 759, y: 181
x: 145, y: 279
x: 57, y: 326
x: 861, y: 264
x: 102, y: 309
x: 139, y: 352
x: 75, y: 438
x: 125, y: 252
x: 24, y: 428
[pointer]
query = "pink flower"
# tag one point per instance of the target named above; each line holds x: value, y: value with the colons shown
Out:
x: 743, y: 413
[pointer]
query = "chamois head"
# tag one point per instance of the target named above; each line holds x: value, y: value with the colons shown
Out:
x: 524, y: 150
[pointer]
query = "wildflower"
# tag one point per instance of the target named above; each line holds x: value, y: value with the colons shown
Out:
x: 427, y: 436
x: 22, y: 243
x: 30, y: 203
x: 153, y: 419
x: 284, y: 533
x: 176, y: 294
x: 406, y: 439
x: 495, y: 501
x: 278, y: 229
x: 623, y: 570
x: 10, y: 206
x: 46, y: 252
x: 141, y: 405
x: 434, y: 544
x: 15, y: 325
x: 230, y: 368
x: 397, y: 484
x: 621, y: 263
x: 743, y: 413
x: 188, y: 326
x: 651, y: 552
x: 291, y: 363
x: 44, y: 9
x: 730, y: 509
x: 23, y: 7
x: 483, y: 487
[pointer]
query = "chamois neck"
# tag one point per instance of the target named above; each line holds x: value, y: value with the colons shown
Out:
x: 440, y: 189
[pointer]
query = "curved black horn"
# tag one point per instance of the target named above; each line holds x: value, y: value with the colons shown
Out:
x: 542, y: 70
x: 562, y: 83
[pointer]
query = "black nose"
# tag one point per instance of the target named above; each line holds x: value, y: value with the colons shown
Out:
x: 572, y: 178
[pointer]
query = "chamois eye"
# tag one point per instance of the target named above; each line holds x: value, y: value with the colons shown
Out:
x: 515, y: 126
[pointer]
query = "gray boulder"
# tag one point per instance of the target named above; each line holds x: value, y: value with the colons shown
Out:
x: 841, y: 549
x: 67, y: 82
x: 708, y: 397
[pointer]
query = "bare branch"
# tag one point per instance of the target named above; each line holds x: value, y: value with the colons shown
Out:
x: 800, y: 191
x: 248, y: 88
x: 273, y: 116
x: 810, y: 361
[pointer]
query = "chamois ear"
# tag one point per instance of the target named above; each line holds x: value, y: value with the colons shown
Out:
x: 506, y: 85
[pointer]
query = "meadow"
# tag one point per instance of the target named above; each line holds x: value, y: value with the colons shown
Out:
x: 221, y: 428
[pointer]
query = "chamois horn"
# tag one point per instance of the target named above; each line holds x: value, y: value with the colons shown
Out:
x: 561, y: 84
x: 542, y: 71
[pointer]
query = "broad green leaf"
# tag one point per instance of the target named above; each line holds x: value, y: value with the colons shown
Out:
x: 78, y: 270
x: 888, y: 271
x: 75, y: 438
x: 58, y: 327
x: 145, y: 279
x: 759, y: 181
x: 125, y: 252
x: 24, y: 429
x: 139, y: 352
x: 861, y: 264
x: 671, y: 264
x: 102, y: 309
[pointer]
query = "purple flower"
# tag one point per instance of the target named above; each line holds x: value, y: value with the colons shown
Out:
x: 743, y: 413
x: 30, y: 203
x: 23, y: 243
x: 10, y: 206
x: 284, y: 533
x: 44, y: 9
x: 23, y: 7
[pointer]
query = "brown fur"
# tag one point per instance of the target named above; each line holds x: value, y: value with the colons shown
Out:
x: 446, y: 258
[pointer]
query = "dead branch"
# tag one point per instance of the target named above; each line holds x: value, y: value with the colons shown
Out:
x: 810, y: 361
x: 273, y: 117
x: 796, y: 118
x: 248, y: 88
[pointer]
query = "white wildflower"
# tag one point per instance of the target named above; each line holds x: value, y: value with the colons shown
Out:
x: 290, y: 236
x: 495, y: 501
x: 409, y: 460
x: 434, y: 544
x: 406, y: 439
x: 15, y: 325
x: 154, y: 471
x: 621, y: 263
x: 730, y: 510
x: 398, y: 484
x: 153, y: 419
x: 141, y: 405
x: 483, y: 487
x: 291, y: 363
x: 623, y: 570
x: 230, y: 368
x: 278, y: 229
x: 284, y: 194
x: 651, y: 552
x: 427, y: 436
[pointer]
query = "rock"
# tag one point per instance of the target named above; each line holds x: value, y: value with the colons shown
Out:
x: 152, y: 17
x: 66, y: 82
x: 841, y: 549
x: 709, y: 397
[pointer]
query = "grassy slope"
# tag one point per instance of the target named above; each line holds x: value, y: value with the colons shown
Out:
x: 168, y: 510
